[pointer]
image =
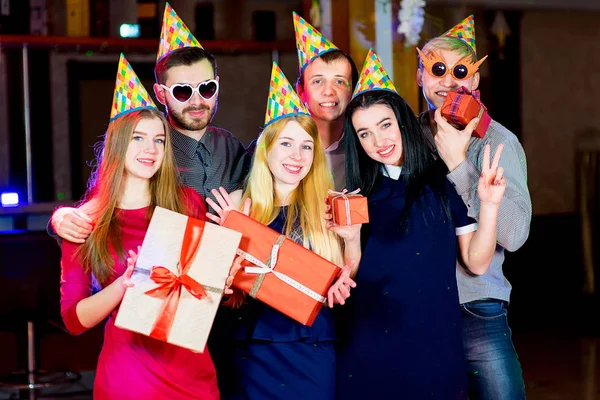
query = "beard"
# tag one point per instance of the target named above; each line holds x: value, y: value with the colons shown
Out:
x: 193, y: 124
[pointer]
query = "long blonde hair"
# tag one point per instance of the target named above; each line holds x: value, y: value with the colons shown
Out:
x: 307, y: 202
x: 106, y: 187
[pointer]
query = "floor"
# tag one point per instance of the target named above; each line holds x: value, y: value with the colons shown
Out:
x: 557, y: 366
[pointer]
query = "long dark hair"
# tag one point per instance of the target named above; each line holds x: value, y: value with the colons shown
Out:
x: 419, y: 170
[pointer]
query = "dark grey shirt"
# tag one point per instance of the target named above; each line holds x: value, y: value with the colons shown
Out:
x: 218, y: 159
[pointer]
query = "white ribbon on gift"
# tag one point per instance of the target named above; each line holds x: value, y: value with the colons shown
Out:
x: 262, y: 268
x: 343, y: 194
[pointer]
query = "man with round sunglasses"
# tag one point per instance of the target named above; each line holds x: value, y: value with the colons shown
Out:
x: 447, y: 63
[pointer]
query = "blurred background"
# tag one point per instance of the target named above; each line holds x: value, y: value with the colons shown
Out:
x: 58, y: 60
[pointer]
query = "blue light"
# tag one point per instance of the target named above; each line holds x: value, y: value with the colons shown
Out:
x: 9, y: 199
x: 129, y: 30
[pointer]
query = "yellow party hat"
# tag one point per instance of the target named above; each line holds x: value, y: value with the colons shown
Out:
x: 464, y: 31
x: 174, y: 34
x: 130, y: 95
x: 309, y: 42
x: 283, y: 100
x: 373, y: 76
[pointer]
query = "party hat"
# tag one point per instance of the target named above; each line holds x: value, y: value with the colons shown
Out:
x: 373, y: 76
x: 283, y: 101
x: 464, y: 31
x: 130, y: 95
x: 309, y: 42
x: 174, y: 34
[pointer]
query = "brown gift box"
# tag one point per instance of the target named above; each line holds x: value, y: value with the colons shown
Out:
x: 193, y: 259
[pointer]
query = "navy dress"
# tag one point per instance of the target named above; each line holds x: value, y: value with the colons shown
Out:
x: 399, y: 334
x: 276, y: 357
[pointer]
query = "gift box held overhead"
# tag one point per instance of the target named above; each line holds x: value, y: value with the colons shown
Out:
x: 179, y: 279
x: 348, y: 208
x: 462, y: 106
x: 280, y: 272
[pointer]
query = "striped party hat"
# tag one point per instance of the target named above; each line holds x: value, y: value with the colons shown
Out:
x: 283, y: 101
x: 174, y: 34
x: 309, y: 42
x: 464, y: 31
x: 373, y: 76
x: 130, y: 95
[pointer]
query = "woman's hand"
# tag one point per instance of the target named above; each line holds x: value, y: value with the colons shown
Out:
x: 492, y: 184
x: 226, y: 204
x: 235, y: 267
x: 131, y: 260
x: 347, y: 232
x: 340, y: 290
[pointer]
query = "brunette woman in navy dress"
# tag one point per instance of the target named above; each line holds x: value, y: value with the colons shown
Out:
x: 400, y: 334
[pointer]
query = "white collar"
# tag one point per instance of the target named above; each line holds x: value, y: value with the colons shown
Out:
x: 334, y: 146
x: 392, y: 171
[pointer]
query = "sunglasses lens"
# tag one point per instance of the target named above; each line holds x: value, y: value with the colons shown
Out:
x: 438, y: 69
x: 207, y: 89
x: 460, y: 71
x: 182, y: 93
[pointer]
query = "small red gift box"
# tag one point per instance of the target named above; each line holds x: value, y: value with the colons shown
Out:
x: 462, y: 106
x: 280, y: 272
x: 348, y: 208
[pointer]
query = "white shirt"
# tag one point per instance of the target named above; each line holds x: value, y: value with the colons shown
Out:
x: 392, y: 171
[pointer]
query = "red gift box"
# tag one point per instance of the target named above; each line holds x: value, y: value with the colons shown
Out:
x: 279, y: 271
x: 348, y: 208
x: 462, y: 106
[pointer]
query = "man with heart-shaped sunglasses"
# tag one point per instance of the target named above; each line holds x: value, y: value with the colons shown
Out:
x: 187, y: 84
x: 447, y: 63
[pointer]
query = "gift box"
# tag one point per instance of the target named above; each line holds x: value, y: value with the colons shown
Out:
x: 280, y: 272
x: 348, y: 208
x: 178, y: 279
x: 462, y: 106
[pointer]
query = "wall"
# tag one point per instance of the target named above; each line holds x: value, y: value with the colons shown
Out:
x: 244, y: 86
x: 560, y: 78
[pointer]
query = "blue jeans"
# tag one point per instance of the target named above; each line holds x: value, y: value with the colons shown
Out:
x: 493, y: 366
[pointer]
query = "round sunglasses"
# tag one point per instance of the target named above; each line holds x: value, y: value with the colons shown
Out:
x: 440, y: 70
x: 436, y: 66
x: 183, y: 92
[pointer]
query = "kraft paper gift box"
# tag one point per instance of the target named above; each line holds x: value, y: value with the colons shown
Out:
x: 348, y: 208
x: 178, y: 280
x: 280, y: 272
x: 462, y: 106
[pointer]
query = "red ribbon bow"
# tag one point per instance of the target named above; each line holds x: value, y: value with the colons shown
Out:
x: 170, y: 284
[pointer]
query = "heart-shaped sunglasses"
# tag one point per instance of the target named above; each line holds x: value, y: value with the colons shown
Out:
x: 183, y: 92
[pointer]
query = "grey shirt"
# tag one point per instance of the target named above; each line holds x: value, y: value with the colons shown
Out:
x: 217, y: 159
x: 514, y: 214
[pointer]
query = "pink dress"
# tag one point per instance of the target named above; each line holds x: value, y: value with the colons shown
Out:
x: 131, y: 365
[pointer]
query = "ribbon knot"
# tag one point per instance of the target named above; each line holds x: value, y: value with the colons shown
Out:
x: 344, y: 195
